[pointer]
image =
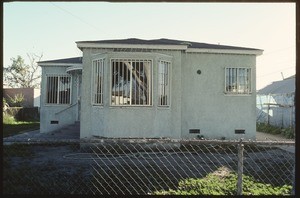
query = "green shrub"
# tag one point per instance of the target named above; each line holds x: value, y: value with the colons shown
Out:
x: 287, y: 132
x: 224, y: 182
x: 262, y: 127
x: 17, y: 100
x: 4, y: 103
x: 11, y: 126
x: 8, y: 119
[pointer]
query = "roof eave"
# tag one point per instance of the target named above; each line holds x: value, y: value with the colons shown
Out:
x: 81, y: 45
x: 257, y: 52
x: 59, y: 64
x: 225, y: 51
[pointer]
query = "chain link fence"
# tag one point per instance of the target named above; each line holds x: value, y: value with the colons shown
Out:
x: 276, y: 110
x: 277, y: 115
x: 138, y: 166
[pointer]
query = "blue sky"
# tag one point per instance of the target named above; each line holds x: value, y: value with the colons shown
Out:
x: 52, y: 28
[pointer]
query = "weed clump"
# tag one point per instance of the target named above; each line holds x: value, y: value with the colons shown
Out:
x: 224, y: 182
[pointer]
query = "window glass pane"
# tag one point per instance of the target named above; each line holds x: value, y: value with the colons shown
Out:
x: 227, y: 77
x: 130, y: 82
x: 64, y: 90
x: 163, y: 83
x: 97, y: 85
x: 52, y: 89
x: 58, y: 89
x: 238, y: 80
x: 241, y: 80
x: 249, y: 80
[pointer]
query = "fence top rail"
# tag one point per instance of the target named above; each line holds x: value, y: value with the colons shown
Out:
x: 148, y: 141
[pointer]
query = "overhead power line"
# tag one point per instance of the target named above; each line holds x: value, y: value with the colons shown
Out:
x: 286, y: 68
x: 278, y: 50
x: 70, y: 13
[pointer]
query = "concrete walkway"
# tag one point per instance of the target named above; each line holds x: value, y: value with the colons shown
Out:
x: 260, y: 136
x: 36, y: 135
x: 74, y: 135
x: 69, y: 132
x: 63, y: 134
x: 270, y: 137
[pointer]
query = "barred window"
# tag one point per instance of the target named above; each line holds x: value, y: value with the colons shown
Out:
x: 58, y: 89
x: 97, y: 81
x: 131, y: 82
x: 163, y: 83
x: 238, y: 80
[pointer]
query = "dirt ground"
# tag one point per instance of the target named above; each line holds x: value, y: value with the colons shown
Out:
x: 57, y: 168
x: 260, y: 136
x: 65, y: 167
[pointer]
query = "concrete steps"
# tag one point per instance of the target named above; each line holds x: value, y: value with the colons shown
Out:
x: 71, y: 129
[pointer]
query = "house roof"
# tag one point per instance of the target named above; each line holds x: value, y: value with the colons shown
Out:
x: 285, y: 86
x: 74, y: 60
x: 163, y: 41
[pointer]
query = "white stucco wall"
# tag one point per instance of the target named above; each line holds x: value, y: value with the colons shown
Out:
x: 205, y: 106
x: 48, y: 111
x: 197, y: 101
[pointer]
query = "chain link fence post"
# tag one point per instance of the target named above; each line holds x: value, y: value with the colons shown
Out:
x: 293, y: 189
x: 240, y: 168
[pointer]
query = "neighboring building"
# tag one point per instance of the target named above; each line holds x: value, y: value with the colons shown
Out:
x: 31, y: 96
x: 275, y: 103
x: 160, y: 88
x: 5, y: 85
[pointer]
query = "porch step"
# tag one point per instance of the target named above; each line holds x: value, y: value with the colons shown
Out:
x: 77, y: 123
x: 73, y: 128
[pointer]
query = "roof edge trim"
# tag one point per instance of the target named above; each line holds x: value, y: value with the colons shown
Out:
x: 73, y: 68
x: 139, y: 46
x: 225, y: 51
x: 59, y: 64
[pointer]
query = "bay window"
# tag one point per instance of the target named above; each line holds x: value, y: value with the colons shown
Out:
x: 131, y: 82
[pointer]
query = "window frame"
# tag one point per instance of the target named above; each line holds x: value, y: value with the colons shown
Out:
x: 136, y: 59
x: 168, y: 105
x: 58, y: 75
x: 249, y: 84
x: 93, y: 85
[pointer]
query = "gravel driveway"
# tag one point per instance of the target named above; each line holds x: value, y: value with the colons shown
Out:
x: 260, y: 136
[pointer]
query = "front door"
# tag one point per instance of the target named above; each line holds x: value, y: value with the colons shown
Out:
x: 78, y: 81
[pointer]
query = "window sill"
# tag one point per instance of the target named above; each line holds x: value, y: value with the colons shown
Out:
x: 97, y: 106
x: 130, y: 106
x: 57, y: 105
x: 237, y: 94
x: 163, y: 107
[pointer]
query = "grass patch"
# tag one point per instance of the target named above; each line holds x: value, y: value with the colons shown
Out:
x: 224, y: 182
x: 44, y: 180
x: 286, y: 132
x: 13, y: 127
x: 17, y: 150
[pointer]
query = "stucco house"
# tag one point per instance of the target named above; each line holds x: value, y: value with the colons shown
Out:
x: 161, y: 88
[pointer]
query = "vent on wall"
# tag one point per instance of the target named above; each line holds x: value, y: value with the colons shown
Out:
x: 194, y: 131
x: 54, y: 122
x: 239, y: 131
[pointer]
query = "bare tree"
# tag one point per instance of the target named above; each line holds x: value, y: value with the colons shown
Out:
x: 21, y: 75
